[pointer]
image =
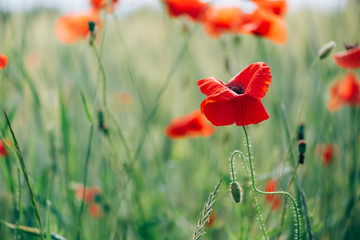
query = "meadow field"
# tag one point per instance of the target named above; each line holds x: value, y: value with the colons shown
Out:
x: 94, y: 115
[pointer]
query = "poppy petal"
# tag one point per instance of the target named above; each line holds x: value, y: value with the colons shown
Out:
x: 3, y: 61
x: 278, y: 7
x: 248, y: 110
x: 219, y: 113
x: 193, y: 124
x: 349, y: 59
x: 192, y: 8
x: 265, y: 24
x: 255, y: 78
x: 72, y: 27
x: 212, y: 86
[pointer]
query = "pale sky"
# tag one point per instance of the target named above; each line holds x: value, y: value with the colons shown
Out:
x: 128, y: 5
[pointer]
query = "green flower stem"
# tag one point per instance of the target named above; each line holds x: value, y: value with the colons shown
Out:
x: 267, y: 193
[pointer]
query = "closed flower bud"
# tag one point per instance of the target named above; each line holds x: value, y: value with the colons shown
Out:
x: 236, y: 192
x: 302, y: 146
x: 326, y: 49
x: 91, y: 25
x: 300, y: 131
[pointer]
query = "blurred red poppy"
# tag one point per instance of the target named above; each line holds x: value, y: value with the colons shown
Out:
x: 219, y: 20
x: 238, y: 101
x: 278, y: 7
x: 211, y: 219
x: 348, y: 59
x: 3, y: 61
x: 103, y: 4
x: 328, y: 154
x: 193, y: 124
x: 95, y: 210
x: 3, y: 152
x: 191, y: 8
x: 90, y: 193
x: 345, y: 92
x: 271, y: 186
x: 72, y: 27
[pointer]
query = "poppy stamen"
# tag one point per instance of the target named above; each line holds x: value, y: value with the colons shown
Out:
x: 236, y: 87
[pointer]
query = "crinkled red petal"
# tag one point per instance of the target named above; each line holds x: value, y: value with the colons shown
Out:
x: 255, y: 78
x: 349, y: 59
x: 214, y: 87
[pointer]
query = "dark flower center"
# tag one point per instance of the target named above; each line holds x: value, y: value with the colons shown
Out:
x: 236, y: 87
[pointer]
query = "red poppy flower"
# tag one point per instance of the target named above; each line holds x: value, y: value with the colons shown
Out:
x: 102, y: 4
x: 328, y: 154
x: 271, y: 186
x: 348, y: 59
x: 211, y: 219
x: 345, y: 92
x: 72, y: 27
x: 90, y: 193
x: 262, y: 23
x: 193, y: 124
x: 3, y: 61
x: 238, y: 101
x: 278, y: 7
x: 95, y: 210
x: 3, y: 152
x: 191, y: 8
x: 219, y: 20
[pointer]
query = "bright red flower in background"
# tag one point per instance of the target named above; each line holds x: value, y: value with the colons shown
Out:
x: 271, y: 186
x: 345, y: 92
x: 348, y: 59
x: 90, y: 193
x: 3, y: 152
x: 219, y: 20
x: 72, y: 27
x: 103, y: 4
x: 328, y: 154
x: 193, y: 124
x: 238, y: 101
x: 191, y: 8
x: 3, y: 61
x: 278, y: 7
x: 95, y: 210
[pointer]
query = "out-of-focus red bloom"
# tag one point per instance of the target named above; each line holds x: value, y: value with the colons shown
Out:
x: 328, y: 154
x: 271, y: 186
x: 211, y: 219
x: 90, y: 193
x: 263, y: 23
x: 345, y: 92
x: 95, y: 210
x: 348, y: 59
x: 193, y: 124
x: 278, y: 7
x: 3, y: 61
x: 238, y: 101
x: 191, y: 8
x: 3, y: 152
x: 102, y: 4
x: 125, y: 98
x: 72, y: 27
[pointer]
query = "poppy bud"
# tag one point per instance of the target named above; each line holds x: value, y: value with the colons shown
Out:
x: 236, y: 192
x: 301, y: 132
x: 91, y: 25
x: 302, y: 146
x: 326, y: 49
x: 102, y: 125
x: 302, y: 150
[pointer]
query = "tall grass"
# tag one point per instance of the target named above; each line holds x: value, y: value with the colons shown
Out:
x: 154, y: 187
